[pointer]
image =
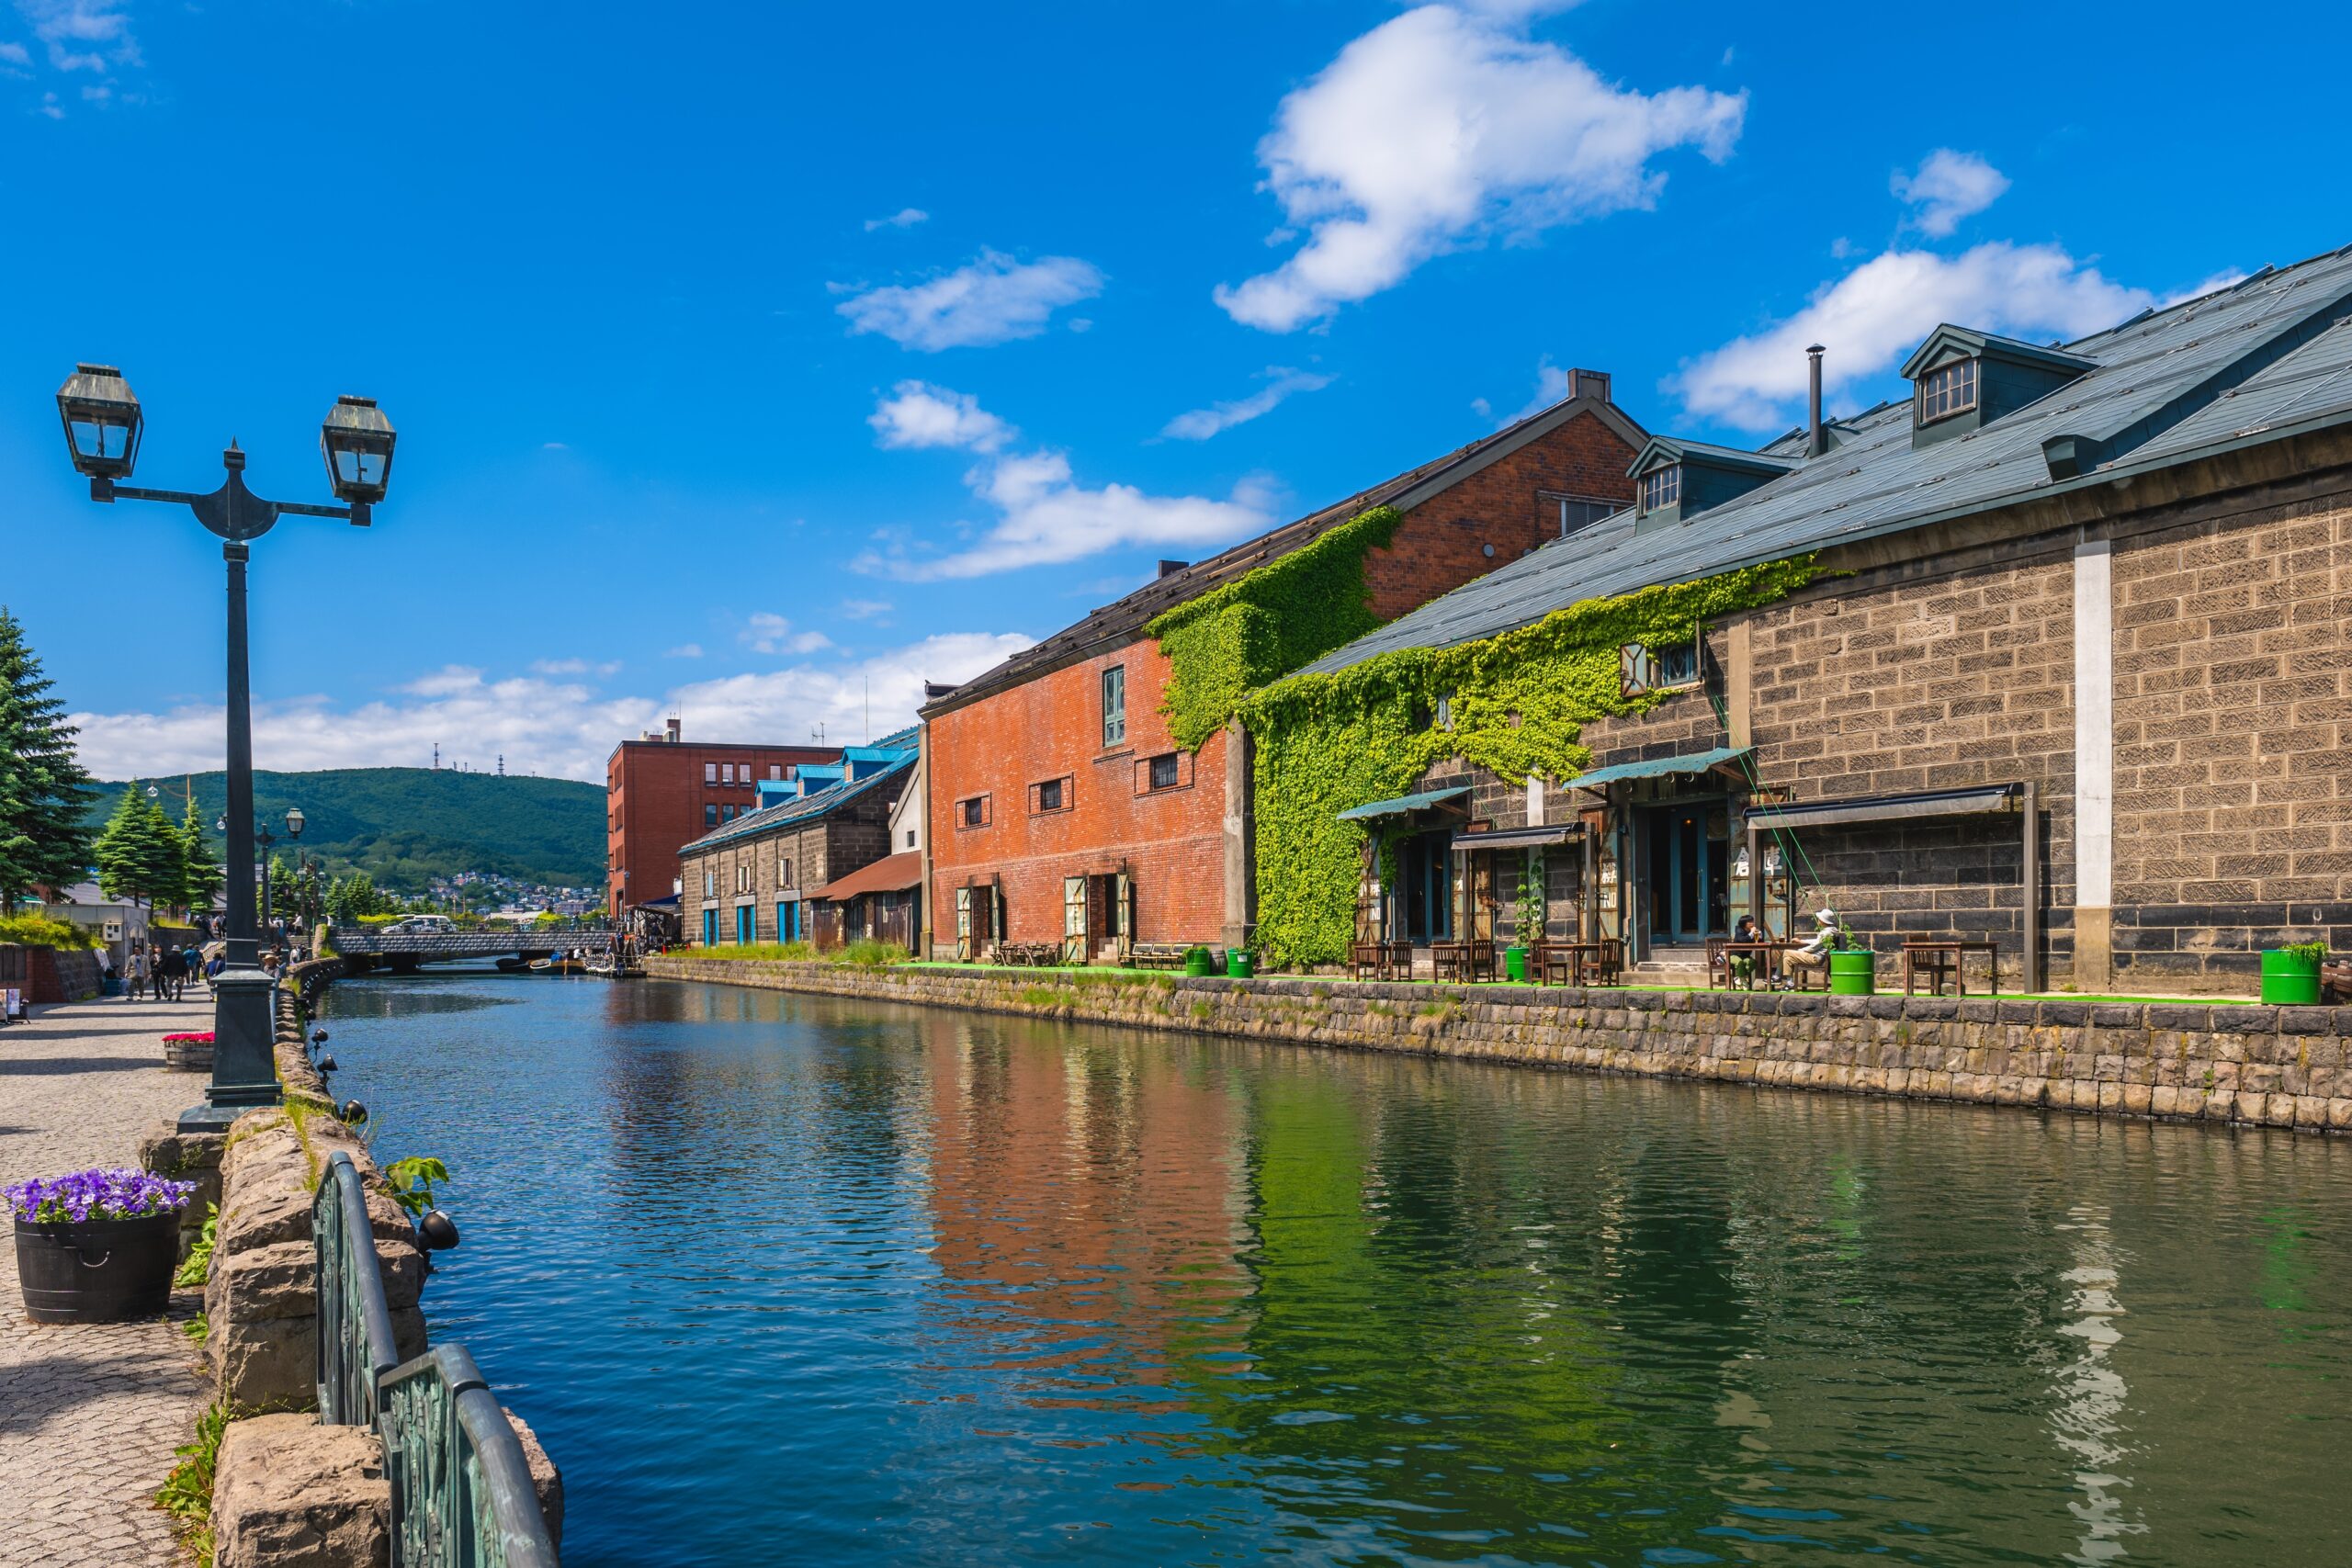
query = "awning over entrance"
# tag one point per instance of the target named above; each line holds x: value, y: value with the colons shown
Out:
x: 1659, y: 767
x: 1514, y: 837
x: 891, y: 874
x: 1891, y: 807
x: 1403, y: 804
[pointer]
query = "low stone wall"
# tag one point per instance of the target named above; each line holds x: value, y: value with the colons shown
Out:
x: 288, y: 1491
x: 2267, y: 1065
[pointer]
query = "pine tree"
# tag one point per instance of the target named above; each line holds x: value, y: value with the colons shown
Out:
x: 139, y: 852
x: 204, y: 877
x: 44, y: 792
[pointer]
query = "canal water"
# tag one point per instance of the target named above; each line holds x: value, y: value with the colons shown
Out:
x: 787, y: 1281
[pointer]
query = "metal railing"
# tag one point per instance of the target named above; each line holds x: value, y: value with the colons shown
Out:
x: 461, y: 1487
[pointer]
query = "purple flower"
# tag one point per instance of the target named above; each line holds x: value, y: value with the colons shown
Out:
x: 117, y: 1193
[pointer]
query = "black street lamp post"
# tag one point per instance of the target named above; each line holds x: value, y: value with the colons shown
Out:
x: 268, y: 841
x: 102, y: 424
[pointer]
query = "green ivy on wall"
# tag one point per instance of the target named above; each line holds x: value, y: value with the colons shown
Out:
x: 1265, y: 623
x: 1517, y: 705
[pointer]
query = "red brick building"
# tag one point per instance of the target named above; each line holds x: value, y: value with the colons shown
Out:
x: 662, y: 791
x: 1060, y: 809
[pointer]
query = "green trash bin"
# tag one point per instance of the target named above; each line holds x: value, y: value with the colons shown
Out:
x: 1240, y: 964
x: 1196, y: 964
x: 2290, y: 978
x: 1853, y: 974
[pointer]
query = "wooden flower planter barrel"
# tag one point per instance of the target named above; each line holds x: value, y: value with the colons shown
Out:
x: 98, y: 1270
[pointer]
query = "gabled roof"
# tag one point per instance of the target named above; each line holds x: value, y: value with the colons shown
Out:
x: 1123, y: 620
x: 2264, y: 359
x: 1672, y: 449
x: 1948, y: 340
x: 801, y: 811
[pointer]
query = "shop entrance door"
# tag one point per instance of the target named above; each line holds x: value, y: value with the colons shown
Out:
x: 1686, y: 872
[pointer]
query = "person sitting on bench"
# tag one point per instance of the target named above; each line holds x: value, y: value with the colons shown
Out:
x: 1814, y: 954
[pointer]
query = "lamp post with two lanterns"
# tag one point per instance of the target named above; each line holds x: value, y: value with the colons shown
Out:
x: 102, y: 425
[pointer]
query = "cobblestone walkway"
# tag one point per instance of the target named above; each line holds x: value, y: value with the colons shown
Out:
x: 89, y: 1414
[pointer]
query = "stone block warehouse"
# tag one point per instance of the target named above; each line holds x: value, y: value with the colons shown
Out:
x: 2056, y: 654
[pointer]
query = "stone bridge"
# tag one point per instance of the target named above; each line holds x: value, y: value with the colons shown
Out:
x: 368, y: 947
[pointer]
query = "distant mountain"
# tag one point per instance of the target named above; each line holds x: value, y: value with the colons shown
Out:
x: 405, y: 825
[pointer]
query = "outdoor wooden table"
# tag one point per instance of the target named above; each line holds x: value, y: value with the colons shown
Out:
x: 1464, y: 959
x: 1934, y: 959
x: 1765, y: 966
x: 1582, y: 963
x: 1387, y: 960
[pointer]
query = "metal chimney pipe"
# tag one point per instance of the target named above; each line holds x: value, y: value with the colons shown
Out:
x: 1816, y: 437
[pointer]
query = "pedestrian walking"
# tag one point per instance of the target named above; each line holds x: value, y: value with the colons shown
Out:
x: 134, y: 972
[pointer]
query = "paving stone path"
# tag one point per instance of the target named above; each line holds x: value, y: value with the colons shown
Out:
x: 89, y: 1414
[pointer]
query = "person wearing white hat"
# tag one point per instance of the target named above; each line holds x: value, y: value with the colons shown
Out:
x: 1814, y: 954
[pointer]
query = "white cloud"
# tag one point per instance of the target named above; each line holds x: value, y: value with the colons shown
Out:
x: 1873, y: 317
x: 552, y: 728
x: 684, y: 650
x: 82, y: 35
x: 919, y: 414
x: 16, y: 53
x: 574, y: 667
x: 2229, y: 277
x: 1948, y: 187
x: 1439, y: 126
x: 905, y: 218
x: 993, y: 300
x: 767, y: 633
x: 1043, y: 515
x: 1281, y: 382
x: 862, y: 609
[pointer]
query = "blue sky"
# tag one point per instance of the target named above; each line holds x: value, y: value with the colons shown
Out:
x: 763, y: 360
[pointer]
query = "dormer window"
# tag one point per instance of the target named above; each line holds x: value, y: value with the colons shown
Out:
x: 1662, y: 488
x: 1962, y: 380
x: 1948, y: 391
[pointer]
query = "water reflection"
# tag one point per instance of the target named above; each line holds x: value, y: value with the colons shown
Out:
x: 839, y: 1284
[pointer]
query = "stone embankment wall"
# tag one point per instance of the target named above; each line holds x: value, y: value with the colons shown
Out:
x: 2268, y: 1065
x: 288, y: 1490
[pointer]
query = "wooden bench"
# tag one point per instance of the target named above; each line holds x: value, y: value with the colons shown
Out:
x: 1161, y: 954
x: 1035, y: 954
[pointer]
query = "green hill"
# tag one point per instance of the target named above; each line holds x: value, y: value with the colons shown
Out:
x: 404, y: 826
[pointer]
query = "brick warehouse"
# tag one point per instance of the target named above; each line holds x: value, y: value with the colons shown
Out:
x: 2076, y: 675
x: 760, y: 878
x: 663, y: 791
x: 1060, y: 809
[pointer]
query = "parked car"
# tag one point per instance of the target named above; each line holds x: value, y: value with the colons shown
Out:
x: 424, y: 925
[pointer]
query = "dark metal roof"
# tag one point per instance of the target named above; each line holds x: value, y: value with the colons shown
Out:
x: 2268, y: 356
x: 803, y: 809
x: 1123, y: 619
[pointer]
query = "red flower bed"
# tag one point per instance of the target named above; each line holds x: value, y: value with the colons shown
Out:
x: 203, y: 1039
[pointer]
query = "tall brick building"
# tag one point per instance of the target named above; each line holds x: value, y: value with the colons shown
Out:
x: 2075, y: 676
x: 1061, y: 809
x: 663, y: 791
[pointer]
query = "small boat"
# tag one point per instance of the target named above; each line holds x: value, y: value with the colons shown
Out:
x: 608, y: 968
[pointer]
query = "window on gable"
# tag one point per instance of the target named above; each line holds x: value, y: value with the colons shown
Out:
x: 726, y: 773
x: 1114, y: 704
x: 972, y: 812
x: 1051, y: 795
x: 1164, y: 770
x: 1577, y: 516
x: 1948, y: 391
x: 1662, y: 488
x: 710, y: 772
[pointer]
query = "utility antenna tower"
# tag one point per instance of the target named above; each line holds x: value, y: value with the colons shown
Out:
x: 436, y: 756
